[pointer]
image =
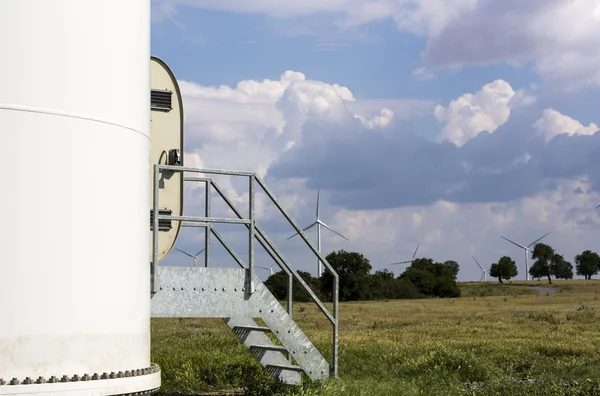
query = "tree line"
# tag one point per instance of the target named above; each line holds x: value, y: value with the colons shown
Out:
x: 421, y: 279
x: 548, y: 263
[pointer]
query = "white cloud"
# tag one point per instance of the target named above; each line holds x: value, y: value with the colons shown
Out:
x: 552, y: 123
x: 451, y: 231
x: 249, y: 126
x: 475, y: 32
x: 458, y: 32
x: 258, y: 120
x: 383, y: 119
x: 486, y: 110
x: 423, y: 74
x: 402, y: 108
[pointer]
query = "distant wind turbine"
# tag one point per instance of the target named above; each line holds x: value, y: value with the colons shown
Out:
x: 526, y: 248
x: 408, y: 261
x: 270, y: 269
x: 319, y: 223
x: 194, y: 257
x: 484, y: 272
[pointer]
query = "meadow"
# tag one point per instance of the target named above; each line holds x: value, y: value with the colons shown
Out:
x: 493, y: 340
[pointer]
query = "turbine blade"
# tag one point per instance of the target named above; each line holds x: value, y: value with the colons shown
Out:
x: 187, y: 254
x: 415, y: 253
x: 478, y: 263
x: 514, y: 243
x: 304, y: 229
x: 318, y: 200
x: 402, y: 262
x: 331, y: 229
x: 537, y: 240
x: 200, y: 252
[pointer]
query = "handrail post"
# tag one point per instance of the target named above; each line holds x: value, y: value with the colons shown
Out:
x: 254, y: 232
x: 208, y: 228
x: 290, y: 301
x: 251, y: 232
x: 322, y: 259
x: 154, y: 264
x: 336, y: 295
x: 290, y: 294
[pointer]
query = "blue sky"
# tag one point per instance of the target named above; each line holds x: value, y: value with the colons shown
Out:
x: 218, y: 47
x: 441, y: 123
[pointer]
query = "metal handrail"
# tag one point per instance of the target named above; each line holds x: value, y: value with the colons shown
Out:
x: 254, y: 232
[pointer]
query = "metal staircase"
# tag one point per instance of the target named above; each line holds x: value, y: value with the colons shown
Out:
x: 236, y: 294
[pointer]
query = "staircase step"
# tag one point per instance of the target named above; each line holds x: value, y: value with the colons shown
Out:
x: 270, y: 347
x: 290, y: 367
x: 253, y: 328
x: 289, y: 334
x: 263, y: 349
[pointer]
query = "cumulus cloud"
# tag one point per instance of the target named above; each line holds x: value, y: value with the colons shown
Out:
x: 494, y: 155
x: 552, y: 123
x: 261, y: 119
x: 383, y: 119
x: 251, y: 125
x: 385, y: 187
x: 485, y: 110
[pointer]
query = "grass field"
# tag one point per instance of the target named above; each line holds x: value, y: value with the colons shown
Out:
x: 495, y: 340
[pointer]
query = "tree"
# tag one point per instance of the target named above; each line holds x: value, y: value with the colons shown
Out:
x: 550, y: 264
x: 538, y: 270
x: 561, y: 268
x: 505, y: 268
x: 382, y: 285
x: 432, y: 279
x: 587, y: 264
x: 453, y: 266
x: 278, y: 285
x: 421, y: 263
x: 543, y: 266
x: 405, y: 289
x: 423, y: 279
x: 353, y: 270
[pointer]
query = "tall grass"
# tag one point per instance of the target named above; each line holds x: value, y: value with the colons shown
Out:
x: 496, y: 340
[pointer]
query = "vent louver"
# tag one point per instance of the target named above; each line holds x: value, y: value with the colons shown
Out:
x: 161, y: 100
x: 163, y: 225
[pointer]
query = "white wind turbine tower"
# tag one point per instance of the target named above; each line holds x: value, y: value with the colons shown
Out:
x: 526, y: 248
x: 194, y: 257
x: 319, y: 223
x: 408, y: 261
x: 484, y: 272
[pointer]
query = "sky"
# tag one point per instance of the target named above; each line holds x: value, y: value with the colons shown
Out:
x: 439, y: 123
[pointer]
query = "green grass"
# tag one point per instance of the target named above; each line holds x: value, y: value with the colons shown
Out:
x: 495, y: 340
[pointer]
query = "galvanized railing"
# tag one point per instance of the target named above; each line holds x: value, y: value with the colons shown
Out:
x: 255, y: 232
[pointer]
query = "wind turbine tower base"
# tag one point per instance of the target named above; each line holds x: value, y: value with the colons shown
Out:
x: 75, y: 154
x: 118, y: 384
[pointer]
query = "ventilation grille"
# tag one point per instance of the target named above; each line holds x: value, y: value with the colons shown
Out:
x: 160, y: 100
x: 163, y: 225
